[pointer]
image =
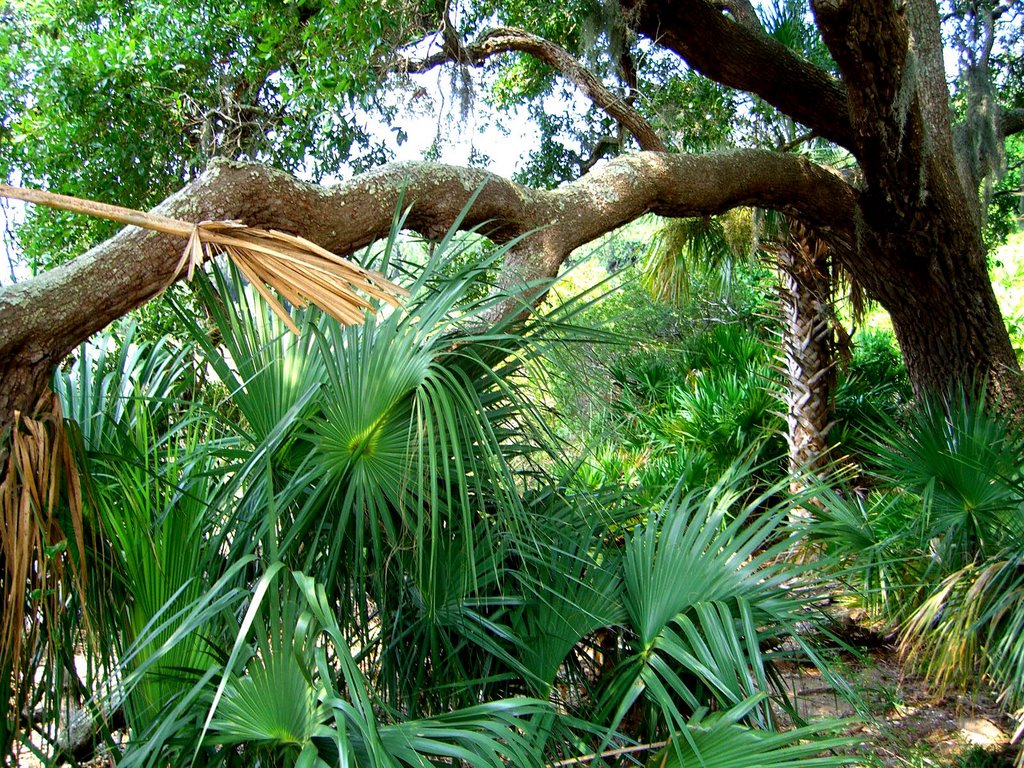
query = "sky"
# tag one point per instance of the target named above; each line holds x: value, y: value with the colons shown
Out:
x: 435, y: 116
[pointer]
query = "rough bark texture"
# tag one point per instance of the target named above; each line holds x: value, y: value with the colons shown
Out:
x: 732, y: 53
x: 918, y: 247
x: 44, y: 318
x: 807, y: 347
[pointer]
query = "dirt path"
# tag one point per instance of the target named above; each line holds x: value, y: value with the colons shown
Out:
x: 904, y: 722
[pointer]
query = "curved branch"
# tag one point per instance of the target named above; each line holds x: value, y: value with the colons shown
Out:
x: 510, y: 39
x: 1011, y: 121
x: 742, y: 11
x: 734, y: 54
x: 42, y: 319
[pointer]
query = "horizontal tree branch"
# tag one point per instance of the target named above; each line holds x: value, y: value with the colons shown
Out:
x: 1012, y: 121
x: 43, y: 318
x: 510, y: 39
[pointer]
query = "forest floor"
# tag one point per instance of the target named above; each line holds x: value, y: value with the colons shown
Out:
x: 903, y: 722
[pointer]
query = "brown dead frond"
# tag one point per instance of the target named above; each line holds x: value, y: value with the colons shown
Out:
x: 300, y: 270
x: 40, y: 564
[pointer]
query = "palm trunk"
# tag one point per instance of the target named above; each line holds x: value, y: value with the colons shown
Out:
x: 807, y: 349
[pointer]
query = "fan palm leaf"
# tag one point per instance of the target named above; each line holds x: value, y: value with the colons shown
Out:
x: 721, y: 740
x: 704, y: 593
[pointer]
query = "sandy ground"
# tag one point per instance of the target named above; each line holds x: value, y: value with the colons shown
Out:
x: 907, y: 723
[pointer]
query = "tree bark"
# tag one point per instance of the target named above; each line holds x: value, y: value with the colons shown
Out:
x: 946, y: 318
x: 807, y: 349
x: 42, y: 319
x: 732, y: 52
x: 919, y: 247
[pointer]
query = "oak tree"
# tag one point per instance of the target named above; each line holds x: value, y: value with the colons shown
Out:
x: 282, y: 84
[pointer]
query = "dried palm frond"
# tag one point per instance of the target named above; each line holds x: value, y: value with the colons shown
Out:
x: 298, y: 269
x: 40, y: 496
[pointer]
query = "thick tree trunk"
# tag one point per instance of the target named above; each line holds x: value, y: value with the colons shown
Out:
x: 950, y: 330
x: 927, y: 267
x: 919, y: 234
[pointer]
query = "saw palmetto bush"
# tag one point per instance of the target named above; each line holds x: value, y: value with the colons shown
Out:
x: 354, y: 546
x: 689, y: 415
x: 937, y: 546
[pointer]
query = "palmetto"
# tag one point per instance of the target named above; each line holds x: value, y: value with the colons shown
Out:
x: 367, y: 526
x: 937, y: 547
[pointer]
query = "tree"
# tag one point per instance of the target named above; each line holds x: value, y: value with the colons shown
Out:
x: 907, y: 226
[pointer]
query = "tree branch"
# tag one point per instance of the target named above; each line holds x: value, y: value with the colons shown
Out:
x: 933, y: 93
x: 742, y: 11
x: 870, y: 41
x: 43, y: 318
x: 510, y: 39
x: 733, y: 54
x: 891, y: 60
x: 1011, y: 121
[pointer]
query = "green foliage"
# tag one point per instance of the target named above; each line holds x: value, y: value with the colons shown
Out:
x: 697, y: 113
x: 963, y: 461
x: 937, y: 548
x: 682, y: 246
x: 719, y: 740
x: 703, y: 593
x: 125, y: 102
x: 151, y: 494
x: 1004, y: 205
x: 355, y: 548
x: 872, y: 389
x: 687, y: 410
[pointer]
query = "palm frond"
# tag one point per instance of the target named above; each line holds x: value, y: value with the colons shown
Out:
x: 42, y: 552
x: 297, y: 268
x: 704, y: 594
x: 721, y: 740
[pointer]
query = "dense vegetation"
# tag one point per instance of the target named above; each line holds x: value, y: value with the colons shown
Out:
x: 424, y: 538
x: 505, y: 523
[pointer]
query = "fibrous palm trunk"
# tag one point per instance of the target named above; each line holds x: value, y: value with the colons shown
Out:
x: 807, y: 349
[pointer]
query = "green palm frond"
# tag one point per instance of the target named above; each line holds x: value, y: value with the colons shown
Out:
x: 682, y: 250
x: 155, y: 505
x: 491, y: 735
x: 113, y: 375
x: 704, y: 594
x: 573, y: 594
x: 720, y: 740
x: 963, y: 459
x: 273, y: 703
x: 872, y: 539
x: 269, y: 376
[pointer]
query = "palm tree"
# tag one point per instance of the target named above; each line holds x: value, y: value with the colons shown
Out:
x: 806, y: 289
x: 353, y: 546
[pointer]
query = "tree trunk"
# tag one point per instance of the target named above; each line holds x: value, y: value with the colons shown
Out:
x: 807, y: 349
x: 950, y: 330
x: 928, y: 269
